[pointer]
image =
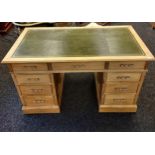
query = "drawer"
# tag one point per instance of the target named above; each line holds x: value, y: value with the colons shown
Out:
x: 123, y: 76
x: 32, y: 78
x: 121, y: 87
x: 126, y: 65
x: 38, y: 100
x: 36, y: 90
x: 121, y: 99
x: 29, y: 67
x: 78, y: 66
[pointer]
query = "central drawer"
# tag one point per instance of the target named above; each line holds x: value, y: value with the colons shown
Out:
x: 78, y: 66
x: 36, y: 90
x: 120, y: 99
x: 123, y: 76
x: 120, y: 87
x: 32, y: 78
x: 38, y: 100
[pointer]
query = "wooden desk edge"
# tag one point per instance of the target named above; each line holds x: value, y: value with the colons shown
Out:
x: 148, y: 57
x: 78, y: 59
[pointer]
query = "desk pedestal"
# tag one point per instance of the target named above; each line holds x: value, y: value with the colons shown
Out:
x: 40, y: 85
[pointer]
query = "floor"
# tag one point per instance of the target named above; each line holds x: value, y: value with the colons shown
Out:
x: 79, y: 102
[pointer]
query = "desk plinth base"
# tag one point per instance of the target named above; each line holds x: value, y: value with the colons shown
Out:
x: 117, y: 108
x: 41, y: 109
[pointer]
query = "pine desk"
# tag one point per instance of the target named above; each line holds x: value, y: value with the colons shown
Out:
x: 40, y: 57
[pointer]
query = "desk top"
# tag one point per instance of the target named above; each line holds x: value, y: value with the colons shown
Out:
x: 91, y: 43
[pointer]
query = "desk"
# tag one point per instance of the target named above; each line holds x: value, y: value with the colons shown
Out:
x: 115, y: 54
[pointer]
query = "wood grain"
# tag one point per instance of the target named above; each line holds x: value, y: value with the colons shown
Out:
x: 78, y: 66
x: 118, y: 99
x: 120, y: 87
x: 121, y: 65
x: 118, y: 108
x: 36, y: 90
x: 123, y: 76
x: 40, y: 109
x: 39, y: 100
x: 32, y: 78
x: 30, y: 67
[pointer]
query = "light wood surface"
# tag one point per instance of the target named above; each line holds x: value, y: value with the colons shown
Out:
x: 59, y: 79
x: 121, y: 99
x: 78, y: 66
x: 39, y: 80
x: 78, y: 59
x: 126, y: 65
x: 30, y: 67
x: 40, y: 109
x: 17, y: 88
x: 36, y: 90
x: 32, y: 78
x: 118, y: 108
x: 84, y: 71
x: 98, y: 82
x: 38, y: 100
x: 139, y: 87
x: 120, y: 87
x: 123, y: 76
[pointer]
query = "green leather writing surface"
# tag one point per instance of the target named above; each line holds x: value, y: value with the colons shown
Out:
x: 78, y: 42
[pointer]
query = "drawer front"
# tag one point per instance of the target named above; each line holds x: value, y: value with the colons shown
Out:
x: 38, y: 100
x: 78, y: 66
x: 123, y: 76
x: 126, y: 65
x: 121, y: 87
x: 36, y: 90
x: 29, y: 67
x: 125, y: 99
x: 32, y: 78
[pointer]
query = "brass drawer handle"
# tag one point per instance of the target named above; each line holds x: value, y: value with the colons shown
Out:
x: 34, y: 67
x: 78, y: 66
x: 119, y: 100
x: 126, y: 65
x: 33, y: 79
x: 121, y: 89
x: 123, y: 77
x: 37, y: 90
x: 39, y: 101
